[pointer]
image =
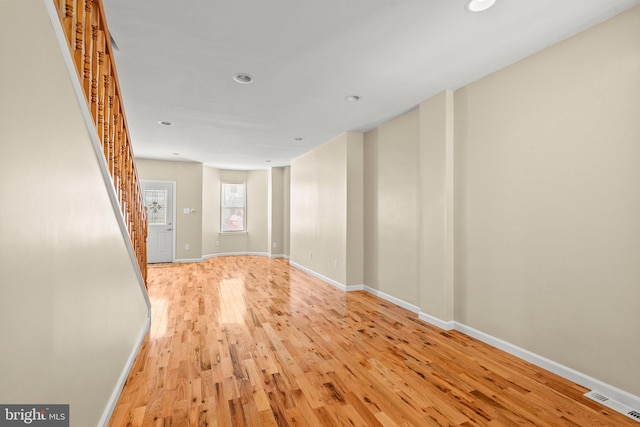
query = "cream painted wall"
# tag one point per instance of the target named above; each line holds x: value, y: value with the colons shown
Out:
x: 319, y: 209
x: 275, y: 212
x: 210, y: 209
x: 286, y: 209
x: 548, y: 204
x: 188, y: 177
x: 198, y: 187
x: 391, y: 220
x: 436, y: 272
x: 355, y: 209
x: 71, y: 307
x: 258, y: 212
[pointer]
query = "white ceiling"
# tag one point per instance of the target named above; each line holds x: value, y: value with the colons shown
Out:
x: 176, y: 62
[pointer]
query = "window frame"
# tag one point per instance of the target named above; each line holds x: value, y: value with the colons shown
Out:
x: 224, y: 218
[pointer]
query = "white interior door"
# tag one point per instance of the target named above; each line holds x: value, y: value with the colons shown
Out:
x: 158, y: 199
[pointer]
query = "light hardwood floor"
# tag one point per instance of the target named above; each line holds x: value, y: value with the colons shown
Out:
x: 251, y: 341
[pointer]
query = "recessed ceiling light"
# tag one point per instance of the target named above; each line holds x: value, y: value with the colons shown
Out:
x: 176, y: 154
x: 298, y: 139
x: 243, y: 78
x: 475, y: 6
x: 163, y: 123
x: 352, y: 98
x: 268, y: 161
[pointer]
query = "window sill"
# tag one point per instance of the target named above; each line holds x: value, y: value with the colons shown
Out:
x: 233, y: 233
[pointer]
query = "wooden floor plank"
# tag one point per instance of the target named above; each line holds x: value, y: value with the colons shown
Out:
x: 252, y: 341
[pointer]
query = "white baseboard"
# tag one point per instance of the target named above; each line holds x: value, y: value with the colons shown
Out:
x: 570, y: 374
x: 447, y: 325
x: 208, y: 256
x: 115, y: 395
x: 319, y: 276
x: 577, y: 377
x: 392, y: 299
x: 189, y: 260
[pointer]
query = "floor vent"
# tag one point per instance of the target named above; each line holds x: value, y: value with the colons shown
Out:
x: 612, y: 404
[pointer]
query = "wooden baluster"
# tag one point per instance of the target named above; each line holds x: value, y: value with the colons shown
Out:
x: 123, y: 145
x: 131, y: 204
x: 100, y: 90
x: 68, y: 23
x: 98, y: 46
x: 108, y: 104
x: 123, y: 170
x: 78, y: 46
x: 114, y: 106
x: 106, y: 82
x: 87, y: 47
x: 125, y: 187
x: 60, y: 5
x: 115, y: 125
x: 134, y: 224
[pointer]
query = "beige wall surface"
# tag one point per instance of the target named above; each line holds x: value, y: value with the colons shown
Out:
x: 275, y: 212
x: 286, y: 209
x: 71, y: 307
x: 436, y: 207
x: 258, y: 212
x: 319, y: 209
x: 355, y: 209
x: 198, y: 187
x: 391, y: 213
x: 547, y: 203
x: 188, y: 178
x: 210, y: 210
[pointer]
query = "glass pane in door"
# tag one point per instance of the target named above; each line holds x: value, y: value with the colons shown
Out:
x: 156, y: 203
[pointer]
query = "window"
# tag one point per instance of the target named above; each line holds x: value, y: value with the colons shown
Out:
x: 234, y: 207
x: 156, y: 203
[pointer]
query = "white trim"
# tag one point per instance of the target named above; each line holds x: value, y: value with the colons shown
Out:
x: 115, y: 395
x: 204, y: 257
x: 392, y: 299
x: 570, y: 374
x: 580, y: 378
x: 319, y: 276
x: 209, y: 256
x: 187, y: 260
x: 265, y: 254
x: 447, y: 325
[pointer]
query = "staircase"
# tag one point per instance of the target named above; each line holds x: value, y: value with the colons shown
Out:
x: 88, y: 38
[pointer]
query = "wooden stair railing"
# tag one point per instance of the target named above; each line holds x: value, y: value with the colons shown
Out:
x: 85, y: 28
